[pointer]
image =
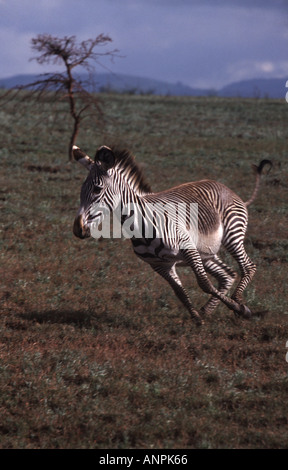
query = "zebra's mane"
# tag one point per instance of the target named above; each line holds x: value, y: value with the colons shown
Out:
x: 126, y: 163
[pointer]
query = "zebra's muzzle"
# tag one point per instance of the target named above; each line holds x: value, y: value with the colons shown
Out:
x: 79, y: 229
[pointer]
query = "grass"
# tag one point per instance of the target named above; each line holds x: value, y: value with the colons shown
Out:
x: 95, y: 351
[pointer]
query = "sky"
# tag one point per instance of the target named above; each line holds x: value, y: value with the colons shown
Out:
x: 201, y: 43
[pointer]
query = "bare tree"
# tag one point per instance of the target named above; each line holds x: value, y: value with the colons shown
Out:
x: 70, y: 54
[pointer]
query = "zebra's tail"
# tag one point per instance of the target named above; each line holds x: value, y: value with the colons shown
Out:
x: 258, y: 171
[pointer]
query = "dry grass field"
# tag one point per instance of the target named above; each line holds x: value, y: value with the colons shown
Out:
x: 95, y: 350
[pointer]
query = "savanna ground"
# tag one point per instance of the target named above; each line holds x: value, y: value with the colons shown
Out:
x: 96, y: 352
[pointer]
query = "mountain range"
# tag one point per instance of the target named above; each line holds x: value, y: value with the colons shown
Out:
x: 274, y: 88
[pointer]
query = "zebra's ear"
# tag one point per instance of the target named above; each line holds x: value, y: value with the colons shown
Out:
x: 82, y: 158
x: 105, y: 157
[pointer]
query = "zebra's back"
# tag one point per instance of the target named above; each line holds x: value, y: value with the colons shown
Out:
x: 215, y: 202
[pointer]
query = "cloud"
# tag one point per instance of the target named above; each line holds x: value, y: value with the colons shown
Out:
x: 247, y: 69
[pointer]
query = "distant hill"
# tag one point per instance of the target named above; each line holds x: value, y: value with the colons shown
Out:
x: 134, y: 84
x: 118, y: 83
x: 255, y: 88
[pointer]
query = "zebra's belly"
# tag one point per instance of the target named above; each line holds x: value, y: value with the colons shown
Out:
x: 152, y: 249
x: 209, y: 244
x: 156, y: 249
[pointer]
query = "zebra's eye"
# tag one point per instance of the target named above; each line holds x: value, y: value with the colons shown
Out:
x: 97, y: 189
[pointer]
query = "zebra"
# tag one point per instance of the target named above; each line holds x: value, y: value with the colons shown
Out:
x: 115, y: 179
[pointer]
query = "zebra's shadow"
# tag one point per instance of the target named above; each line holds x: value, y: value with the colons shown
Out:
x: 79, y: 318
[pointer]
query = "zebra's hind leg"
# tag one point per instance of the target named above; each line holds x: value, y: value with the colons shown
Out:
x: 169, y: 273
x: 247, y: 269
x: 193, y: 259
x: 225, y: 276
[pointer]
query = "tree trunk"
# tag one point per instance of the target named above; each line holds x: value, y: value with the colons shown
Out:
x: 73, y: 136
x: 73, y: 112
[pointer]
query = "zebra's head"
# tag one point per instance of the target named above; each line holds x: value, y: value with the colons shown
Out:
x: 96, y: 192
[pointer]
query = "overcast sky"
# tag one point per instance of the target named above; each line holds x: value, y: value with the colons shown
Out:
x: 201, y: 43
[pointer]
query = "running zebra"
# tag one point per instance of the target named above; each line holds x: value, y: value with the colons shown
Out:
x: 176, y: 236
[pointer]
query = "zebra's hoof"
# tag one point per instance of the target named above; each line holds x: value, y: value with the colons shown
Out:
x: 198, y: 321
x: 245, y: 312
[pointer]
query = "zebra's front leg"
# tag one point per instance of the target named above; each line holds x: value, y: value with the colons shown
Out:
x: 225, y: 276
x: 169, y: 273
